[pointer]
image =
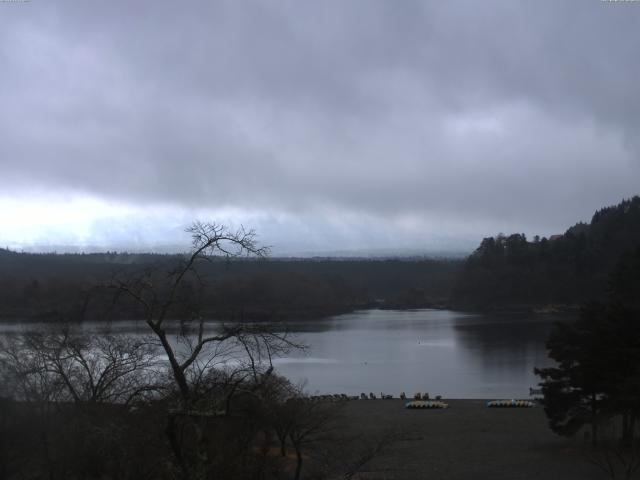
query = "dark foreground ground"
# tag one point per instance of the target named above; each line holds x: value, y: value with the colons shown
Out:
x: 468, y: 441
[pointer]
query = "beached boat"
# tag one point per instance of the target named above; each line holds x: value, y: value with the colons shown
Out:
x: 510, y: 404
x: 426, y: 404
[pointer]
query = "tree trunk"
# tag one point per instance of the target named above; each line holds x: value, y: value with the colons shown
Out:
x: 299, y: 463
x: 172, y: 434
x: 266, y: 445
x: 178, y: 373
x: 626, y: 432
x: 594, y: 420
x: 283, y: 446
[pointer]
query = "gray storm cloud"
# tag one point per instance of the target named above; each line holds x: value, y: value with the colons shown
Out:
x: 519, y: 114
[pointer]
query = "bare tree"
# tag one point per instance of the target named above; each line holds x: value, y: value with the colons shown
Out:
x: 69, y: 392
x: 61, y: 365
x: 159, y: 297
x: 309, y: 423
x: 209, y: 363
x: 616, y: 458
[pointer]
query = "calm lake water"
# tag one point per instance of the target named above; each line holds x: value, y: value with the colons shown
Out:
x: 442, y: 352
x: 453, y: 354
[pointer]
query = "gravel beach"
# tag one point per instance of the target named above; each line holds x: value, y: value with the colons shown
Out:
x: 467, y: 441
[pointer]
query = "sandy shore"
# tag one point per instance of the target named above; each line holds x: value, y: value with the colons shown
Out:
x: 468, y: 441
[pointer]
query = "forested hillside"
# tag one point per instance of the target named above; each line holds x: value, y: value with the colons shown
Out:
x: 511, y: 271
x: 49, y: 286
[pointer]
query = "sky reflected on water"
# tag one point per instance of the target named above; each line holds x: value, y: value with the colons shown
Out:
x: 453, y: 354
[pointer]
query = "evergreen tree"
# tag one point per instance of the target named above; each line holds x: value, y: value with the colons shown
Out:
x: 597, y: 377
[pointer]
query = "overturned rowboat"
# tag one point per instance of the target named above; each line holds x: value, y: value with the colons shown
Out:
x: 425, y: 404
x: 510, y: 404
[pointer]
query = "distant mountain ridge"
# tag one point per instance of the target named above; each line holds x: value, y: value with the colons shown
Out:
x: 510, y: 271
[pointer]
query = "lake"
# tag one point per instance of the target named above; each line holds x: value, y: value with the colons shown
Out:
x: 443, y: 352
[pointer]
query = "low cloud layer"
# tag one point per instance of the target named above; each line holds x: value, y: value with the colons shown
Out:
x: 341, y: 121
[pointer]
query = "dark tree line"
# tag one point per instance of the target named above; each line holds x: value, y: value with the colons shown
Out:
x: 568, y: 269
x: 49, y: 286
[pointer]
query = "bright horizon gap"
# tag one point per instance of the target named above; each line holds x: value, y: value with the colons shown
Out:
x: 76, y: 223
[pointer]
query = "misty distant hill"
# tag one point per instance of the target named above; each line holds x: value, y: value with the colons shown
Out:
x: 512, y: 271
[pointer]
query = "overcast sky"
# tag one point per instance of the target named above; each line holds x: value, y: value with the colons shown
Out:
x: 325, y: 125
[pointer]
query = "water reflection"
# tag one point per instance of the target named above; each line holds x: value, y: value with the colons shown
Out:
x: 443, y: 352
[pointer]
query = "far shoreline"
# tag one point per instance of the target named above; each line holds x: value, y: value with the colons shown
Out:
x: 314, y: 314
